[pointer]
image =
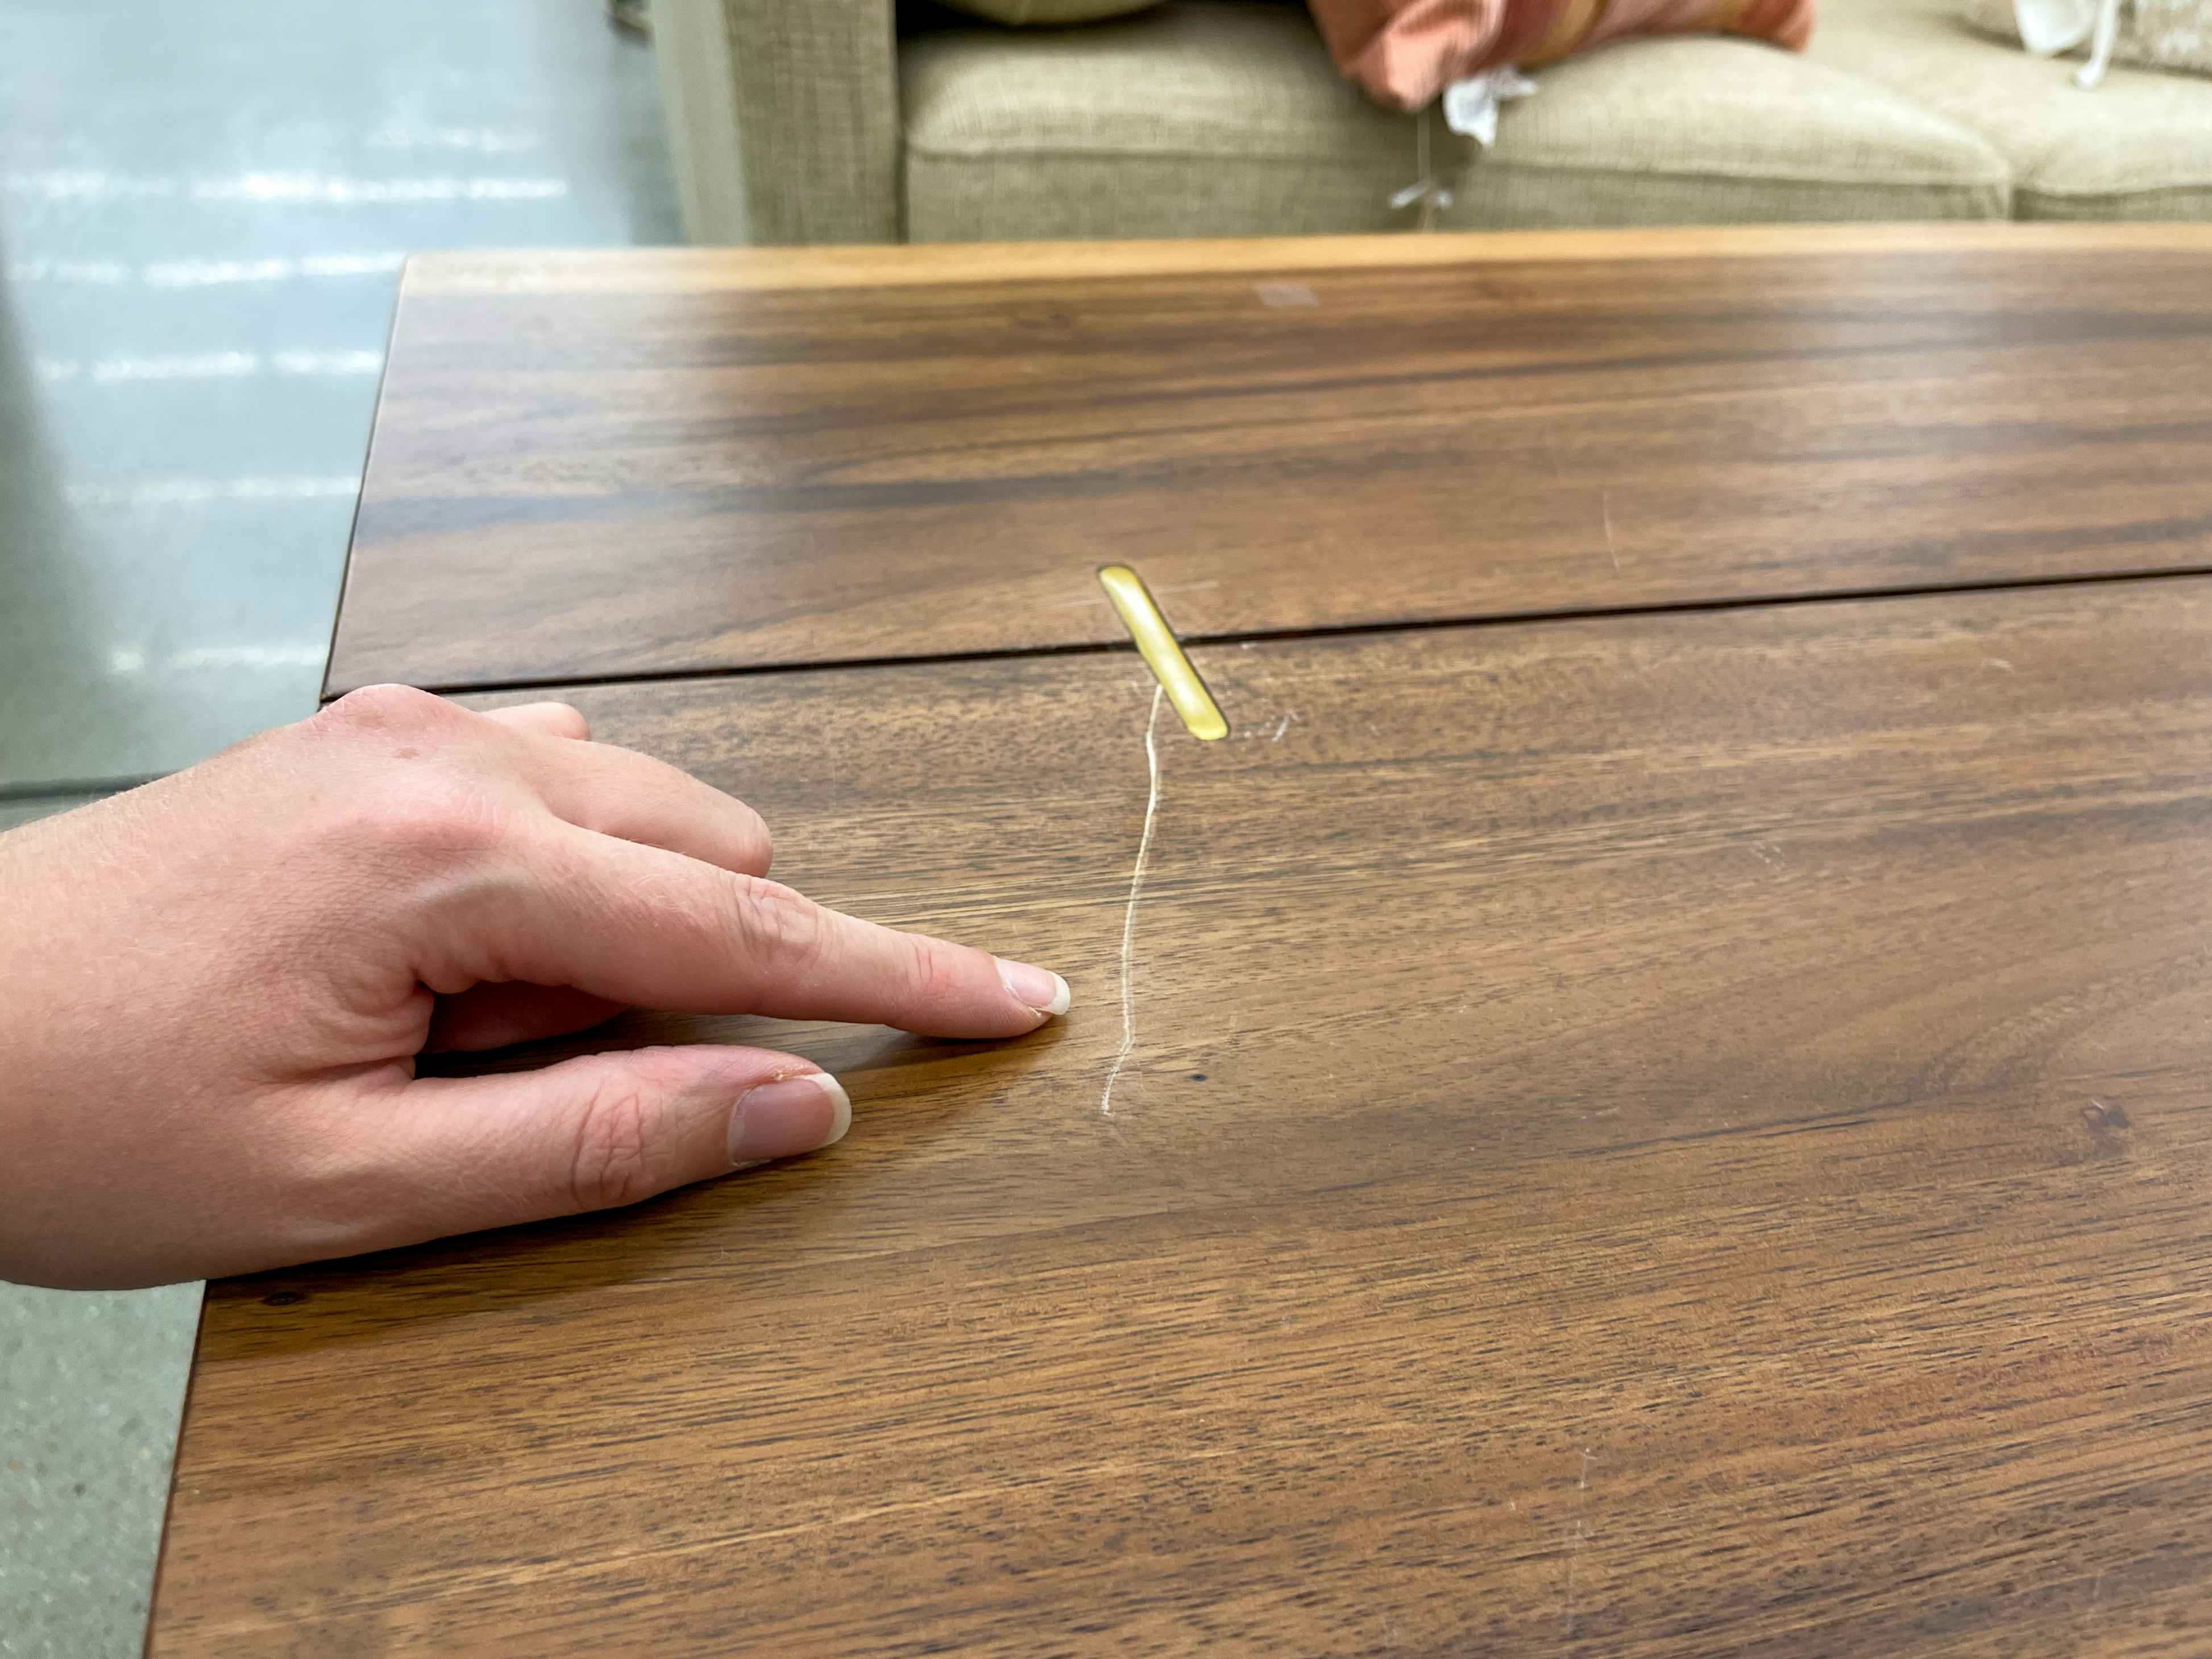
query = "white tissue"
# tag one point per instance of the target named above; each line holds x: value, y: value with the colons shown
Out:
x: 1471, y: 105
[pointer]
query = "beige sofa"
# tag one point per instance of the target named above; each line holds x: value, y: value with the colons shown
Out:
x: 836, y: 120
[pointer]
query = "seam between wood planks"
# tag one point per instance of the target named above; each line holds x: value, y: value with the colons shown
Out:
x: 1320, y: 631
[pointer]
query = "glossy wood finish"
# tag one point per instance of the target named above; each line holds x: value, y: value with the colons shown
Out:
x: 1661, y: 1135
x: 606, y: 465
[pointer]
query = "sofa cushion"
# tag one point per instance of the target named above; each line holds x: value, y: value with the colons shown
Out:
x: 1226, y: 118
x: 1715, y: 131
x: 2138, y: 147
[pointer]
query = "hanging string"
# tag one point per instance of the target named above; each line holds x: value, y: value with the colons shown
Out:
x: 1470, y: 108
x: 1426, y: 189
x: 1429, y: 202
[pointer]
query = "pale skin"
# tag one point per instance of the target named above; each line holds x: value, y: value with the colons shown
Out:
x: 218, y: 985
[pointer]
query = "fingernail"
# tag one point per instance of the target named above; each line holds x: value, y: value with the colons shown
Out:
x: 791, y: 1115
x: 1035, y: 987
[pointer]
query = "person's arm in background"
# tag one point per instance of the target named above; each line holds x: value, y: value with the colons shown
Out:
x: 217, y: 986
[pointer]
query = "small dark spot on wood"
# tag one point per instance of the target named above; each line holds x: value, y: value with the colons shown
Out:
x: 1197, y: 1076
x: 282, y: 1299
x: 2104, y: 1123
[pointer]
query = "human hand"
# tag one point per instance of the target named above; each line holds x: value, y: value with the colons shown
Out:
x: 217, y: 985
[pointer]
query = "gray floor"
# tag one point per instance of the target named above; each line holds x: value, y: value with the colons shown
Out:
x: 94, y: 1383
x: 202, y: 210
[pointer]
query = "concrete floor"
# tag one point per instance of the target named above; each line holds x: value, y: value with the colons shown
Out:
x: 203, y: 212
x: 94, y: 1383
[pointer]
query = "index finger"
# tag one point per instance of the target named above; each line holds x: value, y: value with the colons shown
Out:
x: 619, y: 792
x: 639, y: 925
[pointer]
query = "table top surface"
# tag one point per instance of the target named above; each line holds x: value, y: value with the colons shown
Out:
x: 1641, y: 1135
x: 606, y: 465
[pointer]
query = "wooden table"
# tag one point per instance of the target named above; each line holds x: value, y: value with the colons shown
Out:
x: 602, y: 465
x: 1655, y: 1132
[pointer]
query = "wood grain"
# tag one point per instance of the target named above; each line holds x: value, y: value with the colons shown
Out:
x: 697, y: 269
x: 615, y: 466
x: 1664, y: 1136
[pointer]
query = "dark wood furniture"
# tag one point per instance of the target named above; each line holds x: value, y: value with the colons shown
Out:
x: 1640, y: 1133
x: 602, y: 465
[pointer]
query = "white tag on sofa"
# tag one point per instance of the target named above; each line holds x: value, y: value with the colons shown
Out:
x: 1471, y: 105
x: 2049, y: 27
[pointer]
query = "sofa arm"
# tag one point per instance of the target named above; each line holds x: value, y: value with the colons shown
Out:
x: 783, y: 120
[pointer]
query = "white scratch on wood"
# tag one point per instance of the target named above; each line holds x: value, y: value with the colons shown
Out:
x: 1136, y: 891
x: 1581, y: 1537
x: 1605, y: 506
x: 1574, y: 1559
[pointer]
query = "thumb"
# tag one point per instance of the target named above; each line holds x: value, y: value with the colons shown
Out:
x: 597, y: 1132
